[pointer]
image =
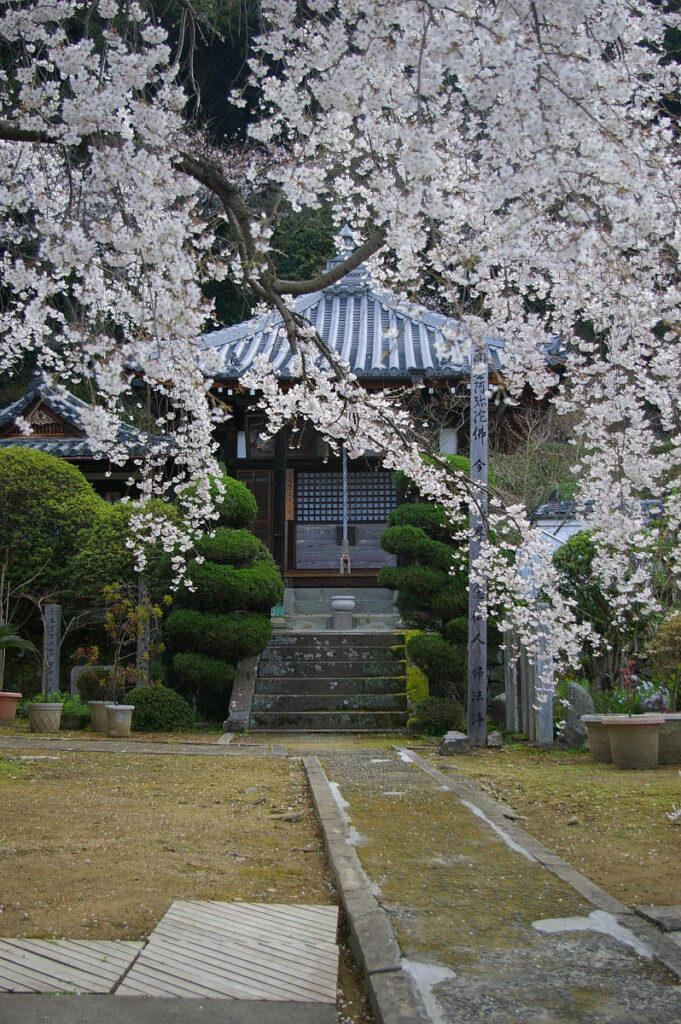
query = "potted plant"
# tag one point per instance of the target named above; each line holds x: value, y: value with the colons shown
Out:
x: 634, y: 739
x: 44, y: 713
x: 9, y: 698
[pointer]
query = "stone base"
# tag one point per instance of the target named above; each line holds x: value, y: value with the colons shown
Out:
x: 454, y: 743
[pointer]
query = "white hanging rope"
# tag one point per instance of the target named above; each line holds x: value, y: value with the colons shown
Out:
x: 345, y: 552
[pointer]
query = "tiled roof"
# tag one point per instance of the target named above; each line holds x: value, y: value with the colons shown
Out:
x: 70, y: 408
x: 378, y: 334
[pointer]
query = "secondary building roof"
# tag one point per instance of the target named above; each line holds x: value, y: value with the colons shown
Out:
x: 56, y: 418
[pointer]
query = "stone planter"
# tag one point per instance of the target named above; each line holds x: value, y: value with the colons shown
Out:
x: 634, y: 740
x: 598, y: 739
x: 119, y: 719
x: 44, y: 717
x: 98, y: 714
x: 669, y: 751
x: 8, y: 706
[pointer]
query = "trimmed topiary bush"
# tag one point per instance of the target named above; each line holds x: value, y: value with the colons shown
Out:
x: 221, y: 588
x: 160, y: 709
x: 230, y: 547
x: 435, y: 716
x: 230, y: 637
x: 227, y: 615
x: 431, y: 588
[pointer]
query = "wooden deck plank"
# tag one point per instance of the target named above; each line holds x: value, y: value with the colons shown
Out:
x: 43, y: 965
x: 183, y: 933
x: 265, y: 972
x: 318, y: 922
x: 240, y: 951
x: 230, y: 927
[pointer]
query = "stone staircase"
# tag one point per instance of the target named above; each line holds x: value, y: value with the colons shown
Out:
x: 330, y: 682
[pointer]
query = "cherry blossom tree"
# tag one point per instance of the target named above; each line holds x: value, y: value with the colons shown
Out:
x: 517, y: 155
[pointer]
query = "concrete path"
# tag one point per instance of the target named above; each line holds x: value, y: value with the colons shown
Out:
x: 491, y: 926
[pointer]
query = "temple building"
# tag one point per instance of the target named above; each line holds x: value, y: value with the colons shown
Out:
x: 319, y: 515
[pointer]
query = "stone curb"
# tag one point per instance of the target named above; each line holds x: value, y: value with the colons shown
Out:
x: 393, y: 998
x: 664, y: 947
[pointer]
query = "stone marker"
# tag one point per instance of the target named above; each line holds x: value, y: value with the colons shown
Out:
x: 454, y: 743
x: 494, y: 739
x: 51, y: 647
x: 580, y: 704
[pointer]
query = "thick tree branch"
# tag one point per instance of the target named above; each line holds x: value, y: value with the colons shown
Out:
x: 368, y: 248
x: 12, y: 133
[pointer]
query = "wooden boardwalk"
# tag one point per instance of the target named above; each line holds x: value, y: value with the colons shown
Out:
x: 63, y: 965
x: 199, y: 949
x: 239, y: 951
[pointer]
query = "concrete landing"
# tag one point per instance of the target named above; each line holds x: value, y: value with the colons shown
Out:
x: 143, y: 1010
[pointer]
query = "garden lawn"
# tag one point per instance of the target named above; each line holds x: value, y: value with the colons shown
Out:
x: 611, y: 825
x: 99, y: 845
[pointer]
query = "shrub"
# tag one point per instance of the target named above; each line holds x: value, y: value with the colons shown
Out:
x: 160, y: 709
x: 230, y: 547
x: 237, y: 507
x: 435, y: 716
x: 230, y: 637
x: 194, y: 672
x: 221, y: 587
x: 444, y: 666
x: 412, y: 542
x: 97, y: 683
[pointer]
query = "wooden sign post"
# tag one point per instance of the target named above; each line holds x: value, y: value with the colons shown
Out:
x: 477, y: 590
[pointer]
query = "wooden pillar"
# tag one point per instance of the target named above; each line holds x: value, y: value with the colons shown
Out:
x: 279, y: 500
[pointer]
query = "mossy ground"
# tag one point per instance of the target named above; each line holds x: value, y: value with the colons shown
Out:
x: 611, y: 825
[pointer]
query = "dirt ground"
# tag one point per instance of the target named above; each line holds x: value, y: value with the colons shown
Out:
x: 98, y: 846
x: 611, y: 825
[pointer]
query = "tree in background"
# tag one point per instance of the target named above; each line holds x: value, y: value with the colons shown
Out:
x: 46, y: 506
x: 226, y: 616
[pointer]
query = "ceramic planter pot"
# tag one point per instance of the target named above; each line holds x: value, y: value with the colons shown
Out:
x: 44, y: 717
x: 98, y: 714
x: 8, y: 706
x: 669, y: 751
x: 634, y: 740
x: 599, y: 741
x: 119, y: 719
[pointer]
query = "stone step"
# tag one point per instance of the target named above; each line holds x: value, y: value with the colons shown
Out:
x: 296, y: 702
x: 328, y: 721
x: 303, y: 656
x: 348, y: 684
x: 356, y: 638
x: 326, y: 669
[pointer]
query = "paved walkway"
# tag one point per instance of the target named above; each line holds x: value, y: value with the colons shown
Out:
x: 493, y: 927
x: 132, y: 746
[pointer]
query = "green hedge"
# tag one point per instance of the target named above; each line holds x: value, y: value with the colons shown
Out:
x: 435, y: 716
x: 230, y: 547
x: 193, y: 672
x: 221, y: 588
x: 237, y: 508
x: 229, y: 637
x: 411, y: 542
x: 443, y: 664
x: 160, y: 709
